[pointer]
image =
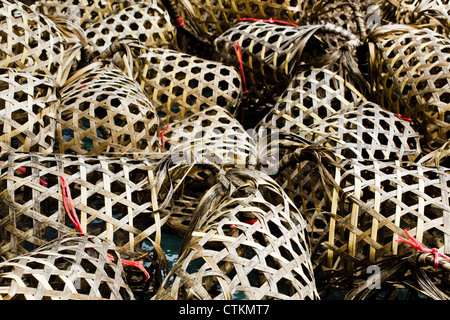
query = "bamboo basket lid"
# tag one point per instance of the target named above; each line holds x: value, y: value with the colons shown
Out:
x: 115, y: 199
x: 28, y: 106
x: 103, y: 111
x: 180, y: 84
x: 250, y: 239
x: 68, y: 268
x: 147, y: 22
x: 366, y: 132
x: 408, y: 68
x: 33, y: 43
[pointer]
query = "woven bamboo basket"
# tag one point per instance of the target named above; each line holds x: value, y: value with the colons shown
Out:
x: 409, y: 67
x: 270, y: 55
x: 28, y: 104
x: 329, y: 85
x: 180, y: 84
x: 358, y: 208
x: 250, y: 240
x: 114, y: 198
x: 147, y: 22
x: 208, y: 138
x: 431, y: 14
x: 83, y: 13
x: 215, y: 17
x: 103, y: 111
x: 69, y: 268
x: 366, y: 132
x: 33, y: 43
x: 268, y: 52
x: 311, y: 97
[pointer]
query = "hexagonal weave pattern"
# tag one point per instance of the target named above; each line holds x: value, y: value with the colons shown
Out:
x: 366, y: 132
x: 110, y: 195
x: 147, y: 22
x: 69, y: 268
x: 409, y: 68
x: 249, y: 239
x: 28, y: 104
x: 104, y: 111
x: 181, y: 84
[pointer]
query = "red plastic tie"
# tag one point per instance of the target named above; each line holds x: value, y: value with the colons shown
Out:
x: 163, y: 139
x: 237, y: 50
x: 137, y: 264
x: 249, y: 221
x: 415, y: 244
x: 67, y: 200
x: 43, y: 182
x: 270, y: 21
x: 179, y: 22
x: 403, y: 118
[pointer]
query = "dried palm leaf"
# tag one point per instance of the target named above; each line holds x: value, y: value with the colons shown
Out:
x: 346, y: 14
x: 412, y: 273
x: 431, y: 14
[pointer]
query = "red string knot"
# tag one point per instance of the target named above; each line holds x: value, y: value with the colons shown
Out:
x: 403, y: 118
x: 415, y: 244
x: 163, y: 139
x: 179, y: 22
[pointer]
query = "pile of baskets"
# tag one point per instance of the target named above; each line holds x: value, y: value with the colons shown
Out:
x: 293, y: 146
